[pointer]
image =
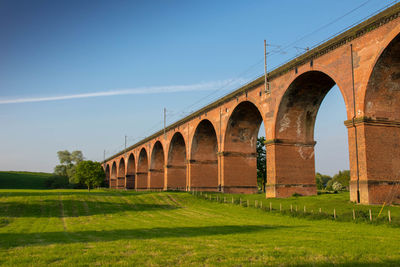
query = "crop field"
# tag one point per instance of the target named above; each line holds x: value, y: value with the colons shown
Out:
x: 104, y: 228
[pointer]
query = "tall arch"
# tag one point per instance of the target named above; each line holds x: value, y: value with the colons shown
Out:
x: 378, y: 133
x: 290, y: 156
x: 142, y: 170
x: 203, y: 164
x: 130, y: 172
x: 108, y: 175
x: 176, y: 164
x: 121, y: 174
x: 239, y: 158
x: 156, y: 176
x: 113, y: 181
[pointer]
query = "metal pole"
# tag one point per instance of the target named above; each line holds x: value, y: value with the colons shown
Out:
x: 265, y: 67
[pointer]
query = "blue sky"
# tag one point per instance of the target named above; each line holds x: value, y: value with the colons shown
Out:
x: 146, y: 49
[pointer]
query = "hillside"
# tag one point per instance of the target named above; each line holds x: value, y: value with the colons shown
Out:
x: 23, y: 180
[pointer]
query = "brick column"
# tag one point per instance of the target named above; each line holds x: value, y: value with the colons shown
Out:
x: 239, y: 172
x: 374, y: 146
x: 113, y: 183
x: 175, y: 177
x: 130, y: 181
x: 290, y: 168
x: 156, y: 179
x: 203, y: 175
x: 120, y: 183
x: 141, y: 180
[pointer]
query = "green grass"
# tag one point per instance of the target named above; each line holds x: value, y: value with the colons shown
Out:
x: 104, y: 228
x: 23, y: 180
x: 339, y: 202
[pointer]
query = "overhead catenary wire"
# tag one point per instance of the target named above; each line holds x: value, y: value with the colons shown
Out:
x: 280, y: 50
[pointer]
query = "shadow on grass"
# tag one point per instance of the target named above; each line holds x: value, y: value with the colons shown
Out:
x: 74, y: 208
x: 69, y: 192
x: 8, y: 240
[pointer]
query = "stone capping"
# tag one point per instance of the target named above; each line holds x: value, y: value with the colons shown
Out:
x: 240, y: 186
x: 156, y: 170
x: 376, y: 182
x: 357, y: 31
x: 175, y: 166
x: 237, y: 154
x: 193, y: 161
x: 290, y: 185
x: 371, y: 122
x: 138, y: 173
x: 285, y: 142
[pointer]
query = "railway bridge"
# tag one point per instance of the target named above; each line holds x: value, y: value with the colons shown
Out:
x: 214, y: 149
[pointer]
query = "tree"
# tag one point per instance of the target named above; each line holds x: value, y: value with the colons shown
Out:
x: 322, y: 180
x: 68, y: 161
x: 90, y: 173
x: 261, y: 163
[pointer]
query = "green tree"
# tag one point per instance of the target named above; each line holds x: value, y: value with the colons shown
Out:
x: 322, y: 180
x: 90, y: 173
x: 68, y: 161
x: 261, y: 163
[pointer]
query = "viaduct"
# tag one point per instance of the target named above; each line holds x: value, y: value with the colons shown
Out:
x: 214, y: 149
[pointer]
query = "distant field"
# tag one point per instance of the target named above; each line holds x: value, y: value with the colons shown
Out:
x: 23, y: 180
x: 104, y: 228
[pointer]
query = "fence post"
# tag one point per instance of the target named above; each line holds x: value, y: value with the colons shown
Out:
x: 354, y: 215
x: 261, y: 204
x: 270, y: 206
x: 390, y: 218
x: 233, y: 201
x: 280, y: 207
x: 240, y: 201
x: 247, y: 203
x: 224, y: 199
x: 291, y: 208
x: 304, y: 209
x: 255, y: 203
x: 334, y: 213
x: 320, y: 210
x: 370, y: 215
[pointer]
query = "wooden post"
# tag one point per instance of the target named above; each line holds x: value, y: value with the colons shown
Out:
x: 247, y: 203
x: 240, y: 201
x: 320, y: 210
x: 296, y: 208
x: 224, y: 199
x: 334, y: 213
x: 291, y: 208
x: 370, y: 215
x: 389, y: 217
x: 280, y: 207
x: 233, y: 202
x: 304, y: 209
x: 354, y: 215
x: 260, y: 204
x: 255, y: 203
x: 270, y: 206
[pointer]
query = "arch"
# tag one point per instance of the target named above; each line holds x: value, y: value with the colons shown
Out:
x: 203, y: 164
x: 239, y: 158
x: 176, y: 163
x: 379, y: 130
x: 130, y: 172
x: 142, y: 170
x: 290, y: 156
x: 108, y: 175
x: 156, y: 176
x: 113, y: 181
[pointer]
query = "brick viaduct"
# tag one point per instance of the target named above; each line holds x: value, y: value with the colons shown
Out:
x: 214, y: 149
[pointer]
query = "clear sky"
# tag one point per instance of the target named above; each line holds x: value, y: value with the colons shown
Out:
x: 82, y: 74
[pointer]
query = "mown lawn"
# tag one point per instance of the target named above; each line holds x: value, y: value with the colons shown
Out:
x: 104, y: 228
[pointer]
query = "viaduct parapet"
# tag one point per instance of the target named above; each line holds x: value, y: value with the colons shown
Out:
x: 214, y: 149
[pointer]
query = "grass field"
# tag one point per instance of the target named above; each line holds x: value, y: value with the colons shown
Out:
x: 23, y: 180
x: 74, y: 227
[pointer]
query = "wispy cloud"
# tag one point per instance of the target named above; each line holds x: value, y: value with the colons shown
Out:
x: 214, y: 85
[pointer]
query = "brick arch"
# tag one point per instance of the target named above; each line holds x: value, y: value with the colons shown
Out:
x: 203, y: 164
x: 290, y: 155
x: 379, y: 131
x: 130, y: 172
x: 142, y: 170
x: 157, y: 162
x: 239, y: 157
x: 113, y: 180
x: 176, y: 163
